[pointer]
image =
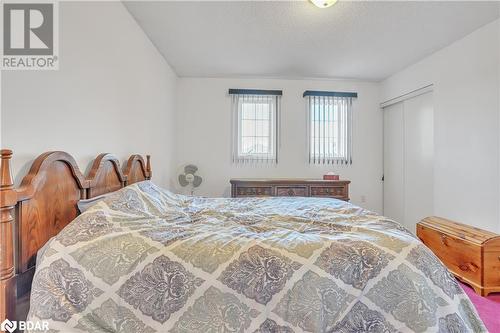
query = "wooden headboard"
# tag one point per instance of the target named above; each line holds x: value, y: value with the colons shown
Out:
x: 44, y: 203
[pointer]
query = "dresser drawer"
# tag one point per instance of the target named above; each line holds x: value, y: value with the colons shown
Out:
x: 254, y: 191
x: 291, y: 191
x: 461, y: 257
x: 329, y: 191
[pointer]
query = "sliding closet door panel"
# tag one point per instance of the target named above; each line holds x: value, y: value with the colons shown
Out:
x: 419, y: 159
x: 394, y: 162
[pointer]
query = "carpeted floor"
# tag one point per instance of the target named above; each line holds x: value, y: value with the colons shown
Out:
x: 487, y: 307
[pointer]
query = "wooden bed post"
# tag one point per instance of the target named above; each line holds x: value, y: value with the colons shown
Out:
x: 8, y: 201
x: 148, y: 166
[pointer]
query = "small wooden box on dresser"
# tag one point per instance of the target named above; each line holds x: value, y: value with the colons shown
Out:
x: 338, y: 189
x: 471, y: 254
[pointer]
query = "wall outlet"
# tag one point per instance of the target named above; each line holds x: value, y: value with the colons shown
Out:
x: 363, y: 198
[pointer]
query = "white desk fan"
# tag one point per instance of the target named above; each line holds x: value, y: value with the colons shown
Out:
x: 189, y: 177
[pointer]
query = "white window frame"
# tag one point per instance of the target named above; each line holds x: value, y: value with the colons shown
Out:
x: 273, y: 101
x: 271, y: 129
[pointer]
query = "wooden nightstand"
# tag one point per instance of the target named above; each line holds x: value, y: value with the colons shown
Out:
x: 338, y: 189
x: 471, y: 254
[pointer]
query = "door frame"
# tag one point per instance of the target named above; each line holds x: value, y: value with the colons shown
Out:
x: 411, y: 94
x: 401, y: 98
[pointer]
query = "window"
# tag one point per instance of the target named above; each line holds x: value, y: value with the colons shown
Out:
x: 329, y: 127
x: 255, y: 125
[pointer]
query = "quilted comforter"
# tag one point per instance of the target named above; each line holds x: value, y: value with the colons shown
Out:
x: 147, y: 260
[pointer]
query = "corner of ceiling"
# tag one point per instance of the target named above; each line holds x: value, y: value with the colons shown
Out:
x: 123, y: 2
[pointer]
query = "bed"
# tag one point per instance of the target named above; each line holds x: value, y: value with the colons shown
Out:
x: 146, y: 260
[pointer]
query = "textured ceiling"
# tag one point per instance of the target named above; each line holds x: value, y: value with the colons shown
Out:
x: 359, y: 40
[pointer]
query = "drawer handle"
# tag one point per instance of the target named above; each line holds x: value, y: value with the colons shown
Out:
x: 291, y: 192
x: 463, y: 267
x: 468, y: 267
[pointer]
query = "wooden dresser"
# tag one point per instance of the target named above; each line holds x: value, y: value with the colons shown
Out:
x: 338, y: 189
x: 471, y: 254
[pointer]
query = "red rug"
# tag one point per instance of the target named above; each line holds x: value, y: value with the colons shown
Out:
x: 487, y: 307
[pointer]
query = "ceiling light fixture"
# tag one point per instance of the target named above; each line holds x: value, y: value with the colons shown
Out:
x: 323, y: 3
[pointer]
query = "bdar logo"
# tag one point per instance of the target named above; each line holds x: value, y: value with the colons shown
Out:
x: 11, y: 326
x: 28, y: 29
x: 8, y: 326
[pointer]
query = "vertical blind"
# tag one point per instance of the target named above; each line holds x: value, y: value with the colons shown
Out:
x: 329, y: 129
x: 256, y: 119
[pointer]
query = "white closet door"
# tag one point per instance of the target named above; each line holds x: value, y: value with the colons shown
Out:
x: 408, y: 160
x: 394, y: 162
x: 419, y: 159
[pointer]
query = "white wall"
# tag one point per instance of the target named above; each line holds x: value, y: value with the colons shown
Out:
x: 204, y: 134
x: 113, y: 92
x: 466, y: 78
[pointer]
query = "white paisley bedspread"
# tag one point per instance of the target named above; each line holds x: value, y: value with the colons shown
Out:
x: 147, y: 260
